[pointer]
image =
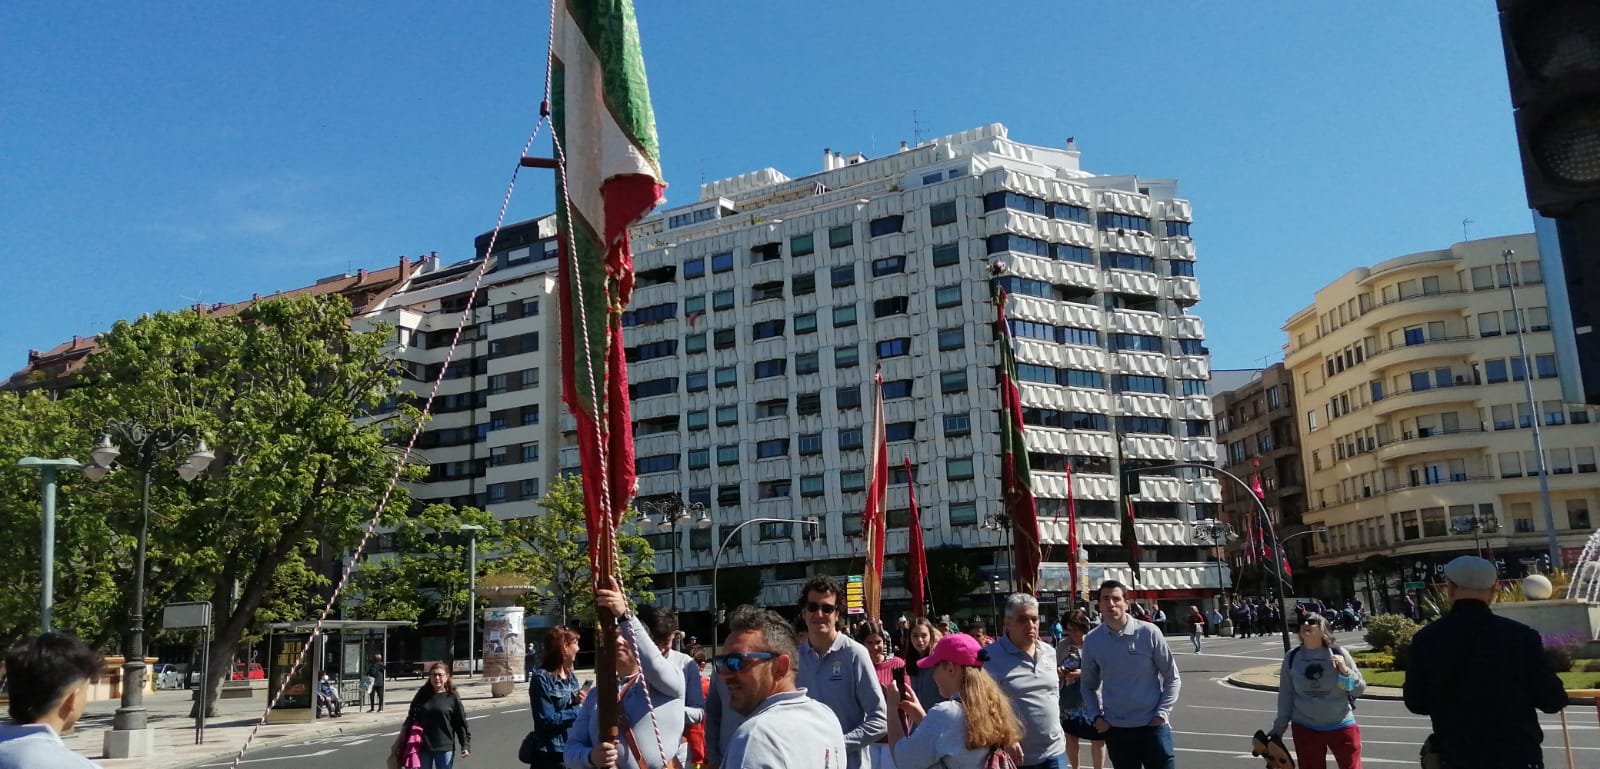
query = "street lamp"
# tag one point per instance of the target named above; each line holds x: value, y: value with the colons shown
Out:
x: 994, y: 599
x: 1001, y: 522
x: 1550, y: 538
x: 1216, y: 533
x: 130, y: 733
x: 472, y: 594
x: 674, y: 514
x: 48, y: 470
x: 1477, y: 524
x: 716, y: 561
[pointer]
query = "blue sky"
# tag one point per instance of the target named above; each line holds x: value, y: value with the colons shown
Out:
x: 151, y: 153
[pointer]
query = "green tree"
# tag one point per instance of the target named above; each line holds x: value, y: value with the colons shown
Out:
x: 426, y: 577
x: 738, y: 586
x: 87, y: 551
x: 952, y: 572
x: 285, y: 392
x: 553, y: 549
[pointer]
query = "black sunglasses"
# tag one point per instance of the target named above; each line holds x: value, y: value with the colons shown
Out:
x: 821, y: 608
x: 735, y: 663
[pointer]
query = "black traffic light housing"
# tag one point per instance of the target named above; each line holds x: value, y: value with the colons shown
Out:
x: 1552, y: 50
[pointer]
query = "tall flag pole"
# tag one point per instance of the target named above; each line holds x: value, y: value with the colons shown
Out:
x: 872, y: 518
x: 609, y: 177
x: 1072, y: 535
x: 916, y: 553
x: 1016, y: 480
x: 1130, y: 532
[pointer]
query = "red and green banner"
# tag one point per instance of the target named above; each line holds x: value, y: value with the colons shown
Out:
x: 916, y: 552
x: 872, y: 518
x: 1130, y: 532
x: 611, y: 177
x: 1072, y: 536
x: 1016, y: 482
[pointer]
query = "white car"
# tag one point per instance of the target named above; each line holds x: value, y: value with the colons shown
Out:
x: 173, y: 676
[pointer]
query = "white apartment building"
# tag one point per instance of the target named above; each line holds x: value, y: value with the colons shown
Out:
x: 763, y: 309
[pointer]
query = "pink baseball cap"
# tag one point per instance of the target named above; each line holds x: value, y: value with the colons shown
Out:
x: 958, y: 648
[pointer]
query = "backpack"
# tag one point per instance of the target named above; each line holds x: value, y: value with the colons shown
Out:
x: 999, y: 758
x: 1351, y: 696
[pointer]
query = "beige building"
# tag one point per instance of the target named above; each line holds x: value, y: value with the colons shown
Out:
x: 1415, y: 426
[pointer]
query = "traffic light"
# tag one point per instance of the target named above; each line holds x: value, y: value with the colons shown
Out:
x: 1552, y: 51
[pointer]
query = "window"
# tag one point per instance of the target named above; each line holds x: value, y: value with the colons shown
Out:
x: 773, y: 408
x: 894, y: 348
x: 1584, y: 457
x: 1113, y: 260
x: 1578, y: 514
x: 946, y: 254
x: 762, y: 292
x: 727, y: 454
x: 722, y: 262
x: 850, y: 439
x: 1510, y: 464
x: 1193, y: 386
x: 1124, y: 383
x: 777, y: 447
x: 801, y: 245
x: 957, y: 424
x: 723, y: 338
x: 844, y: 315
x: 942, y: 213
x: 852, y: 480
x: 692, y: 306
x: 722, y: 300
x: 958, y: 469
x: 1495, y: 370
x: 774, y: 489
x: 810, y: 443
x: 1555, y: 412
x: 694, y: 268
x: 843, y: 275
x: 1544, y: 365
x: 1488, y: 324
x: 1482, y: 278
x: 1181, y: 268
x: 661, y: 463
x: 841, y: 236
x: 696, y: 381
x: 952, y: 338
x: 767, y: 329
x: 886, y: 226
x: 647, y: 389
x: 803, y: 284
x: 953, y: 381
x: 805, y: 323
x: 770, y: 368
x: 806, y: 363
x: 698, y: 420
x: 963, y: 513
x: 899, y: 431
x: 889, y: 265
x: 847, y: 398
x: 728, y: 496
x: 1502, y: 417
x: 808, y: 404
x: 811, y: 486
x: 899, y: 388
x: 1519, y: 369
x: 846, y: 357
x: 894, y: 305
x: 776, y: 531
x: 947, y: 296
x: 727, y: 376
x: 1109, y: 220
x: 699, y: 459
x: 694, y: 343
x: 1538, y: 318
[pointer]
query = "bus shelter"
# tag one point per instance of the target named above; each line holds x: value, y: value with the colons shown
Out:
x: 341, y: 649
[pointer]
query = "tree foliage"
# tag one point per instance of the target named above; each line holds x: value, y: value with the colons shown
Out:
x: 553, y: 549
x: 952, y: 572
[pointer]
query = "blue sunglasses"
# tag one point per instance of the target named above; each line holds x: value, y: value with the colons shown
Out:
x: 736, y: 663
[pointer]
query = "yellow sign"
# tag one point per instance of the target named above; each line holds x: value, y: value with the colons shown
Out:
x: 853, y: 595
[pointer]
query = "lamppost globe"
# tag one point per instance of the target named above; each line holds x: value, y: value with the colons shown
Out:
x: 104, y: 453
x: 702, y: 521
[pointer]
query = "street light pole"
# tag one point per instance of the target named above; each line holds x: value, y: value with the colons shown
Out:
x: 48, y: 470
x: 130, y: 733
x: 1550, y: 539
x: 1219, y: 534
x: 716, y: 562
x: 472, y: 596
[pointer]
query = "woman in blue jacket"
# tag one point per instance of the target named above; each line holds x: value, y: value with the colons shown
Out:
x: 556, y: 697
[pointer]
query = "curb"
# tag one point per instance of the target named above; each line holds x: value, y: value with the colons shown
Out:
x: 1242, y: 679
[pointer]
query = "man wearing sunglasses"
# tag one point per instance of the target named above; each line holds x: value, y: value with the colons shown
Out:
x: 783, y: 728
x: 838, y: 672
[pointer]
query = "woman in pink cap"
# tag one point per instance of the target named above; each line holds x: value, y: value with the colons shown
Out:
x: 960, y: 733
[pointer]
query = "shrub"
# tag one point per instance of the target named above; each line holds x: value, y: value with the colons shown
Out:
x: 1388, y: 631
x: 1591, y: 666
x: 1381, y: 661
x: 1402, y: 656
x: 1562, y: 648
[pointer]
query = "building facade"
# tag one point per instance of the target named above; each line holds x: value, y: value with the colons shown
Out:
x: 763, y: 310
x: 1416, y: 427
x: 1260, y: 443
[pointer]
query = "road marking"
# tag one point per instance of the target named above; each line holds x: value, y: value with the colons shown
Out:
x: 1237, y: 754
x: 317, y: 754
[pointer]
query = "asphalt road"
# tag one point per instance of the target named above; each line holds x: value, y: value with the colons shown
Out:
x: 1211, y: 725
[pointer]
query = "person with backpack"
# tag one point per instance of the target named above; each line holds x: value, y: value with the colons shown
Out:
x: 1317, y: 690
x: 974, y: 728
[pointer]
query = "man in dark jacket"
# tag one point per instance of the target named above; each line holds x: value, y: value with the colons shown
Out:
x: 1479, y: 677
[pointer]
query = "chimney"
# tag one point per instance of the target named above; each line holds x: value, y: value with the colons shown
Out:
x: 904, y: 147
x: 1072, y: 144
x: 838, y: 160
x: 34, y: 355
x: 75, y: 340
x: 255, y: 297
x: 827, y: 159
x: 361, y: 275
x: 405, y: 267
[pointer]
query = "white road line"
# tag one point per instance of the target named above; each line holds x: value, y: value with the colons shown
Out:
x: 1246, y: 755
x: 317, y: 754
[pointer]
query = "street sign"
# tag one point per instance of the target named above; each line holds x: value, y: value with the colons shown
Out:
x: 854, y: 598
x: 1416, y: 586
x: 186, y: 616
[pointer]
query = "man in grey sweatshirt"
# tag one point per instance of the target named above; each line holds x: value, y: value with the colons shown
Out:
x: 1140, y: 677
x: 49, y: 679
x: 782, y: 728
x: 650, y: 689
x: 837, y: 672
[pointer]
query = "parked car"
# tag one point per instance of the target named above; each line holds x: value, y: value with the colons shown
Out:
x: 251, y: 672
x: 171, y: 676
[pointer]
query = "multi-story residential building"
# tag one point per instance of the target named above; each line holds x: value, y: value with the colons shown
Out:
x: 1416, y: 436
x: 763, y: 309
x: 1257, y: 435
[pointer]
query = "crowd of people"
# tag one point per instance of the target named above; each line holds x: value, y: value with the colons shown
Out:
x: 919, y: 695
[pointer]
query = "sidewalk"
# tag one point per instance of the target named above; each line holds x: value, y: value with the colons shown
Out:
x: 1265, y: 678
x: 174, y: 738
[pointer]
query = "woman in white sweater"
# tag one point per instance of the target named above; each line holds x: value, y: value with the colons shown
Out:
x: 1317, y: 689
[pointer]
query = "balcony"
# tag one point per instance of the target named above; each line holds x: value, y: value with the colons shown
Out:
x: 1454, y: 347
x: 1461, y: 392
x: 1420, y: 304
x: 1432, y: 442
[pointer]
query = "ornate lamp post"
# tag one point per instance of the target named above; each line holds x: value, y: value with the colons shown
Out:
x: 1001, y: 522
x: 130, y: 734
x: 716, y: 563
x: 1216, y: 533
x: 674, y: 515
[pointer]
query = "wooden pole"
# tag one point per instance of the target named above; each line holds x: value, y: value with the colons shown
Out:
x: 605, y: 647
x: 1566, y: 738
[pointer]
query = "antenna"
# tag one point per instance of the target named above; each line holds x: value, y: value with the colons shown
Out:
x: 916, y: 127
x: 1464, y: 223
x: 198, y: 295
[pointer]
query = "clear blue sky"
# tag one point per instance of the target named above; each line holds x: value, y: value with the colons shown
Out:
x: 155, y: 151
